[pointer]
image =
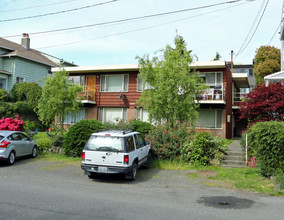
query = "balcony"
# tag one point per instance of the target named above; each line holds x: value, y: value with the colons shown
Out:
x: 88, y: 95
x: 238, y: 98
x: 212, y: 96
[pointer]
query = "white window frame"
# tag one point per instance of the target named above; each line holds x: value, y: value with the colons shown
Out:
x: 124, y: 78
x: 203, y: 74
x: 20, y: 79
x: 75, y: 116
x: 102, y: 112
x: 215, y: 120
x: 139, y: 114
x: 5, y: 85
x: 142, y: 85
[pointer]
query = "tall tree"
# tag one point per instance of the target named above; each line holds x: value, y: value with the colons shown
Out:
x: 217, y: 56
x: 264, y: 103
x: 266, y: 62
x: 59, y: 97
x: 171, y: 84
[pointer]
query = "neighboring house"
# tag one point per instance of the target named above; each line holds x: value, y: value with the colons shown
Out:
x: 110, y: 94
x: 279, y: 76
x: 20, y: 63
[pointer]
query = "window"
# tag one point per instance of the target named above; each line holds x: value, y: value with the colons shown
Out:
x: 139, y: 141
x: 141, y: 86
x: 129, y: 143
x: 142, y: 115
x: 114, y: 83
x: 77, y: 80
x: 212, y: 79
x: 3, y: 83
x: 209, y: 118
x: 113, y: 115
x: 20, y: 79
x: 107, y: 143
x: 72, y: 118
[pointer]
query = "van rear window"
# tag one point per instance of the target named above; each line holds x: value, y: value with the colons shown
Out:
x: 107, y: 143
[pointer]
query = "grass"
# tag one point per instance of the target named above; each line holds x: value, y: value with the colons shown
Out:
x: 236, y: 178
x: 58, y: 157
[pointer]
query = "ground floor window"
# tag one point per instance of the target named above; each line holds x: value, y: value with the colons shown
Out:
x: 19, y: 79
x: 142, y: 115
x: 3, y: 84
x: 209, y: 118
x: 72, y: 118
x: 113, y: 115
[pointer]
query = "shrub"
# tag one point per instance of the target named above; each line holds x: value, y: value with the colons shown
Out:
x: 12, y: 124
x: 121, y: 125
x: 3, y: 95
x: 78, y: 134
x: 7, y: 109
x: 143, y: 127
x: 43, y: 144
x: 266, y: 139
x: 167, y: 142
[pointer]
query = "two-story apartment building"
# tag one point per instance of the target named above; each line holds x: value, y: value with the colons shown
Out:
x: 111, y: 92
x: 21, y: 63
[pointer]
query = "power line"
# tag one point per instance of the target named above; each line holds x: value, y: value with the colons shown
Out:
x: 274, y: 33
x: 58, y: 12
x: 38, y: 6
x: 140, y: 29
x: 128, y: 19
x: 242, y: 49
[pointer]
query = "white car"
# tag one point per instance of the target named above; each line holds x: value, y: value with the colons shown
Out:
x: 116, y: 151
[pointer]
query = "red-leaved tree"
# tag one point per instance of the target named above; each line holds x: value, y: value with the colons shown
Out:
x: 12, y: 124
x: 264, y: 103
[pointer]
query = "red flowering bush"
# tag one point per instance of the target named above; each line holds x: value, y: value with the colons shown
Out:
x: 12, y: 124
x: 167, y: 142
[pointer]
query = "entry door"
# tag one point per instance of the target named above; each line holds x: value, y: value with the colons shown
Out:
x: 91, y: 84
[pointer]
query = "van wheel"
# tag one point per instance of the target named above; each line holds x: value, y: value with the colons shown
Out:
x: 149, y: 160
x: 92, y: 175
x: 132, y: 174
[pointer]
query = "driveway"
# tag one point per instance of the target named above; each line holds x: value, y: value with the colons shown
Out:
x: 40, y: 189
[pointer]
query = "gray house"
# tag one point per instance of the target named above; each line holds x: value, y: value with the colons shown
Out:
x: 20, y: 63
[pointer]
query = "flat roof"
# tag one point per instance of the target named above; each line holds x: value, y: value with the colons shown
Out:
x: 133, y: 67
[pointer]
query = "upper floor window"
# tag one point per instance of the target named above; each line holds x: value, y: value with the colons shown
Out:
x: 212, y: 79
x: 77, y: 80
x: 20, y: 79
x: 141, y: 86
x: 114, y: 83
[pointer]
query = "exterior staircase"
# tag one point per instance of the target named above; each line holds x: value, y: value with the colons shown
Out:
x: 235, y: 157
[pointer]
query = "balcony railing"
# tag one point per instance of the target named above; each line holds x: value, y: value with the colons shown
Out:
x: 88, y: 94
x: 211, y: 94
x: 238, y: 97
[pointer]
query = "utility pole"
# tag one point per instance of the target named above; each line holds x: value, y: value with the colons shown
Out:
x: 232, y: 54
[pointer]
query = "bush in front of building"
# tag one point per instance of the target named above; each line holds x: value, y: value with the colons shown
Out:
x: 143, y: 127
x: 77, y: 136
x: 266, y: 142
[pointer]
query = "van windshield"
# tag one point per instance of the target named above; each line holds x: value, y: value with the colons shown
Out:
x: 107, y: 143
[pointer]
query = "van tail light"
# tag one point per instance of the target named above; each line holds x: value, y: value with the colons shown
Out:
x: 4, y: 144
x: 126, y: 159
x: 83, y: 156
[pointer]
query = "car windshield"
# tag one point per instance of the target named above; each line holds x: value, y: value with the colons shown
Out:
x: 107, y: 143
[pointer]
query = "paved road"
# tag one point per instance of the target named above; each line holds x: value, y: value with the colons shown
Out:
x: 38, y: 189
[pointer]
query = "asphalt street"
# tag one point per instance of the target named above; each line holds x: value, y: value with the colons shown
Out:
x: 40, y: 189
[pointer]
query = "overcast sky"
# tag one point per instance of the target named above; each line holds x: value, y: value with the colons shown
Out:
x: 206, y: 28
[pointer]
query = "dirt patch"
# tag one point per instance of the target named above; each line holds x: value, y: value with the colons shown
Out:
x: 207, y: 173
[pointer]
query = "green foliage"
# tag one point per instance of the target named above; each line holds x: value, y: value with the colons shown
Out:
x: 7, y: 109
x: 202, y: 148
x: 171, y: 88
x: 143, y: 127
x: 121, y: 125
x: 167, y: 142
x: 29, y: 92
x: 30, y: 125
x: 266, y: 141
x: 43, y: 144
x: 266, y: 61
x: 217, y: 56
x: 59, y: 97
x: 3, y: 95
x: 77, y: 136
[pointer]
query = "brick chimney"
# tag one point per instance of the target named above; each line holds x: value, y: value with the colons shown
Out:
x: 26, y: 41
